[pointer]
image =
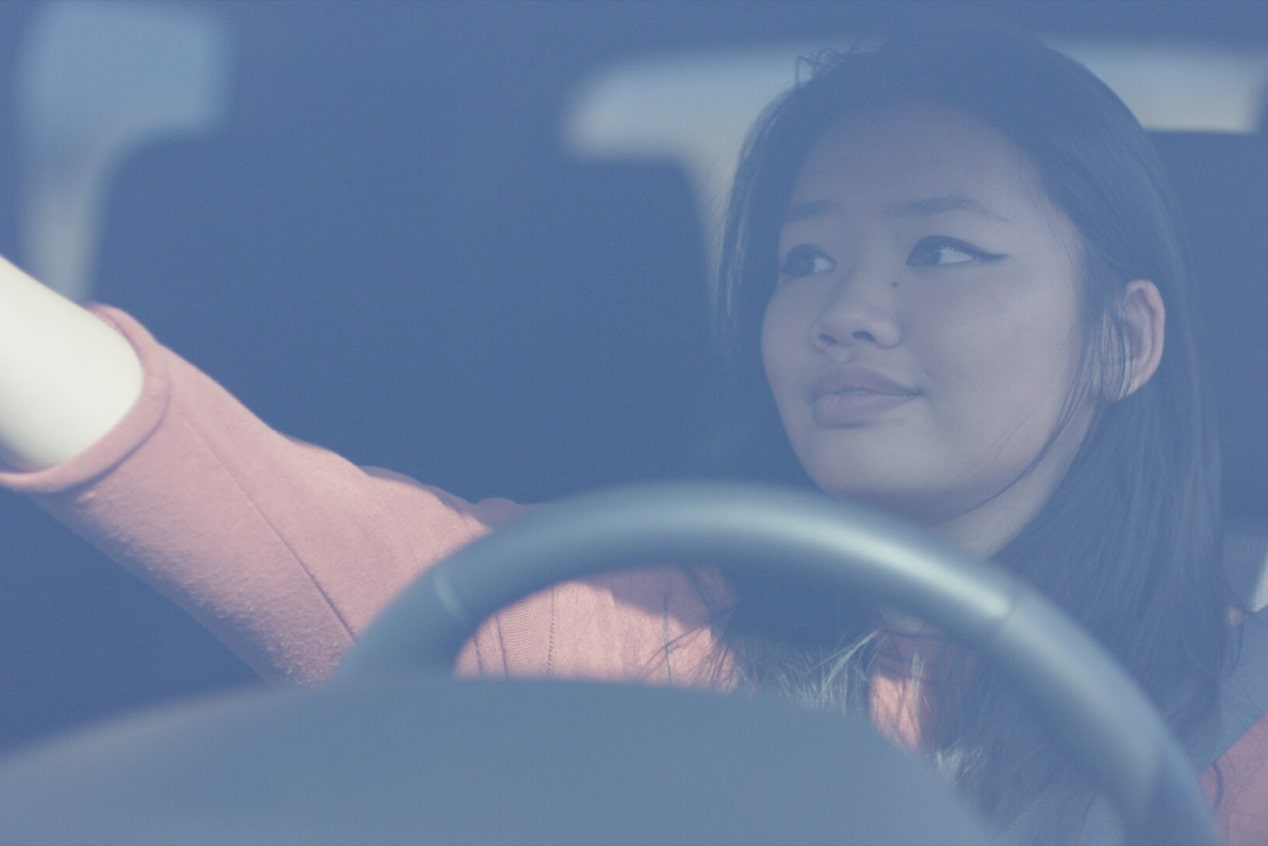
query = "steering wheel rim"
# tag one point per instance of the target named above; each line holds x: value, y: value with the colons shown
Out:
x: 1080, y: 693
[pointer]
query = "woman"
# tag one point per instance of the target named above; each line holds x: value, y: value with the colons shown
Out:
x: 951, y: 266
x: 979, y: 246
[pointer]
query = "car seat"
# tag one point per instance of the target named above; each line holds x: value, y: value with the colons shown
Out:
x: 1222, y: 183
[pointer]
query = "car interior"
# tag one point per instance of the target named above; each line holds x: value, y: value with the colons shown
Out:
x: 412, y: 232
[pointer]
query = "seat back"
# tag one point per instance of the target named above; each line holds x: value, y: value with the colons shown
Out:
x: 1222, y: 183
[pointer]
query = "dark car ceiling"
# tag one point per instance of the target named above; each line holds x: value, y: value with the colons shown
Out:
x: 639, y: 26
x: 591, y: 29
x: 575, y: 32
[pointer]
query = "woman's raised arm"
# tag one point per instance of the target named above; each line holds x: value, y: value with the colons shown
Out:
x: 284, y: 550
x: 66, y: 377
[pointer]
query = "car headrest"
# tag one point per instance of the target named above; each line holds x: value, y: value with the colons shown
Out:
x: 558, y: 345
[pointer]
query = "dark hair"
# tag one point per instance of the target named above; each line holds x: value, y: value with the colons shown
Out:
x: 1128, y: 544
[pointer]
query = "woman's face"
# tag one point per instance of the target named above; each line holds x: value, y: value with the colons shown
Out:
x: 924, y: 333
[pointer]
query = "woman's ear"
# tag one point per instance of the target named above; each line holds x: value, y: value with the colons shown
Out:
x: 1142, y: 319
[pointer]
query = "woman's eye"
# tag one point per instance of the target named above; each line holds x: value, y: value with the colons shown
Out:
x: 942, y: 251
x: 804, y: 261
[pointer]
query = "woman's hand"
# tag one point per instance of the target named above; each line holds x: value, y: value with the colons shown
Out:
x: 66, y: 378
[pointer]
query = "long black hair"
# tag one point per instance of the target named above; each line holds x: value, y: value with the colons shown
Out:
x: 1128, y: 543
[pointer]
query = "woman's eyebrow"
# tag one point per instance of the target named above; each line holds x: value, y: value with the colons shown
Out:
x: 941, y: 204
x: 814, y: 208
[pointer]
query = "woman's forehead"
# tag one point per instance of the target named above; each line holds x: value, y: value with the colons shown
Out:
x: 906, y: 158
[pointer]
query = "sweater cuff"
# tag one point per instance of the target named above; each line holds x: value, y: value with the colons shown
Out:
x: 126, y: 436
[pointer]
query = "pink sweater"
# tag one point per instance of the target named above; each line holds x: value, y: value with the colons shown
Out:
x: 287, y: 552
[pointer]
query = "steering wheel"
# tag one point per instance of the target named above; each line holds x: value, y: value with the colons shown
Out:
x: 1081, y: 695
x: 384, y: 756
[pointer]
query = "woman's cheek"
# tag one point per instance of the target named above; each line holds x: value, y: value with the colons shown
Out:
x: 779, y: 339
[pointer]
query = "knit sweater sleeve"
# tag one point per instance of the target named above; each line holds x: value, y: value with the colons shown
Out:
x: 284, y: 550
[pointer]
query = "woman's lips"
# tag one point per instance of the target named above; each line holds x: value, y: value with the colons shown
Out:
x: 854, y: 408
x: 851, y: 396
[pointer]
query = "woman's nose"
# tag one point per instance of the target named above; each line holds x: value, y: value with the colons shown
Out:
x: 859, y: 311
